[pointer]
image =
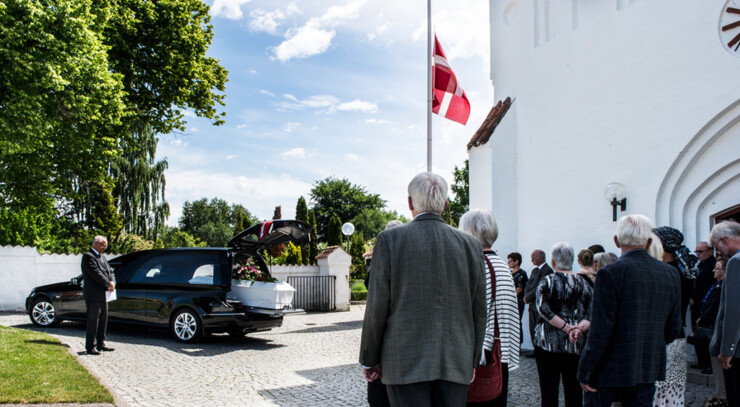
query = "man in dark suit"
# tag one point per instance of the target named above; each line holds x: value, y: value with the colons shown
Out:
x: 98, y: 279
x: 426, y: 307
x: 725, y: 344
x: 635, y: 313
x: 541, y: 269
x: 703, y: 282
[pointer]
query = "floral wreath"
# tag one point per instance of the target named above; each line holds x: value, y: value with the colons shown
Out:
x: 249, y: 271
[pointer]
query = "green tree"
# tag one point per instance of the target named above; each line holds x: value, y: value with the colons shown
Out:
x: 160, y: 47
x: 174, y: 237
x: 293, y: 254
x: 459, y: 204
x: 313, y: 246
x: 301, y: 213
x: 339, y: 197
x: 334, y: 232
x: 212, y: 222
x: 102, y: 215
x: 61, y: 108
x: 370, y: 222
x: 140, y: 182
x: 356, y: 250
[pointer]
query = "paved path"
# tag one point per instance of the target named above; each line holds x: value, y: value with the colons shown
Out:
x: 310, y: 361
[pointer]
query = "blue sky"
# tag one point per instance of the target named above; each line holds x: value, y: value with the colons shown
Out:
x: 320, y: 88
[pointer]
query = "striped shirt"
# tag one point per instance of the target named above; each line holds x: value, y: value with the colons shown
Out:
x: 506, y: 310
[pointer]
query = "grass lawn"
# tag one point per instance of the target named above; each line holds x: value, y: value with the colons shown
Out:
x: 37, y: 368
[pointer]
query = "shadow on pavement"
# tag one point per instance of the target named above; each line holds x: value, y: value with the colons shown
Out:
x: 339, y: 326
x: 323, y: 390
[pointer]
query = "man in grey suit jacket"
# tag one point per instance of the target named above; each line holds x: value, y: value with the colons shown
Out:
x: 725, y: 344
x: 98, y: 278
x: 426, y: 307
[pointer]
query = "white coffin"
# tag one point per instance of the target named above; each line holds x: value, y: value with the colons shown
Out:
x: 277, y: 295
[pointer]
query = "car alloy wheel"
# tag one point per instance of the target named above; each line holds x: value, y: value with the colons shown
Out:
x: 186, y: 326
x: 43, y: 313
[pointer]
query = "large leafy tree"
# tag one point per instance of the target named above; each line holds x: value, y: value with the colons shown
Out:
x: 339, y: 197
x: 370, y: 222
x: 461, y: 188
x: 212, y: 222
x: 159, y: 47
x: 61, y: 108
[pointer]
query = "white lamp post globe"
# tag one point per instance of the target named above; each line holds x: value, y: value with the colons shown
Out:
x: 348, y: 229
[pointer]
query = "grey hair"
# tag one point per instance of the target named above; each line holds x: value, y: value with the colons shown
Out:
x: 562, y: 256
x: 728, y: 229
x: 634, y: 230
x: 604, y: 259
x: 393, y: 224
x: 656, y: 247
x: 428, y: 192
x: 709, y: 245
x: 100, y: 239
x: 480, y: 223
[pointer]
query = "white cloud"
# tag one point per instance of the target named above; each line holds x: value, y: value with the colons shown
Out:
x: 297, y: 152
x: 376, y: 121
x: 290, y: 126
x: 305, y: 41
x: 269, y: 21
x: 230, y: 9
x: 337, y: 14
x: 230, y: 157
x: 194, y: 129
x: 241, y: 126
x: 267, y: 92
x: 325, y: 102
x: 352, y: 157
x: 358, y: 105
x: 315, y: 36
x: 253, y: 71
x: 188, y: 113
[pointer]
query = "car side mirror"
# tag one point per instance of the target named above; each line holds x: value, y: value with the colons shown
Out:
x: 74, y: 281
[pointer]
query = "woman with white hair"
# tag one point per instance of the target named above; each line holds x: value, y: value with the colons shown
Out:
x: 500, y: 304
x: 563, y: 299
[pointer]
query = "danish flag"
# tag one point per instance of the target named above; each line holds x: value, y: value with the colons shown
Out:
x: 448, y: 99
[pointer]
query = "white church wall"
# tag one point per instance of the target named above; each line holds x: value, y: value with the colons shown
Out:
x: 610, y: 94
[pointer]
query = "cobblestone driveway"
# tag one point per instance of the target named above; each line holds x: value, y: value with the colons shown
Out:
x: 310, y: 361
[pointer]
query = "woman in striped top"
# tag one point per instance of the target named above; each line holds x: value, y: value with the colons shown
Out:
x: 481, y: 224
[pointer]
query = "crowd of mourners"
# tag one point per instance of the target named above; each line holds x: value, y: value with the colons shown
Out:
x: 614, y: 331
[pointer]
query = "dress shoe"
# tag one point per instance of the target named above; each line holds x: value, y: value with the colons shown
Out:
x: 105, y: 349
x: 92, y: 352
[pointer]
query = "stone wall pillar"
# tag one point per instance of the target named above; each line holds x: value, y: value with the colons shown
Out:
x: 334, y: 261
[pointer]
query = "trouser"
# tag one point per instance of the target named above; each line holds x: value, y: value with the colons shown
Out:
x: 437, y: 393
x: 97, y: 321
x: 732, y: 383
x: 551, y: 367
x: 639, y: 395
x: 377, y: 394
x: 499, y: 401
x: 719, y: 379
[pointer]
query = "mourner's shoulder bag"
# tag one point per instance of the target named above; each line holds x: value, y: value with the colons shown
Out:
x: 487, y: 379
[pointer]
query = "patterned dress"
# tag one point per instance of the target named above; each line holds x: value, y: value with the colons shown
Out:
x: 568, y: 296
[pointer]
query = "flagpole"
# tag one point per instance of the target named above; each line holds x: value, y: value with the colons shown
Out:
x: 429, y: 85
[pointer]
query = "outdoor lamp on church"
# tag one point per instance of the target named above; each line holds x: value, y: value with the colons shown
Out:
x: 616, y: 194
x: 348, y: 229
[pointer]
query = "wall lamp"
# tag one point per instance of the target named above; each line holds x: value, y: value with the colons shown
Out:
x: 616, y: 194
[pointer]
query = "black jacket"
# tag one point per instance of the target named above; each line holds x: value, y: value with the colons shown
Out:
x: 97, y: 275
x: 635, y: 313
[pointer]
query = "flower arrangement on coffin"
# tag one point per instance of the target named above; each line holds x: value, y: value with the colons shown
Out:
x: 248, y: 271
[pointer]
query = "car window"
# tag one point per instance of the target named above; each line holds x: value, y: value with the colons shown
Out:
x: 180, y: 268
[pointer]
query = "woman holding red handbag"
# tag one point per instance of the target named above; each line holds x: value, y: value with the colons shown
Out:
x: 501, y: 342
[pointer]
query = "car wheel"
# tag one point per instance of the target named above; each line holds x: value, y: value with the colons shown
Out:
x: 186, y: 326
x: 43, y: 313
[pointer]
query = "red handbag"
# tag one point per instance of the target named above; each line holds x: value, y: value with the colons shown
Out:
x: 488, y: 379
